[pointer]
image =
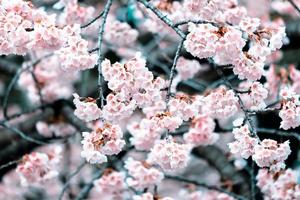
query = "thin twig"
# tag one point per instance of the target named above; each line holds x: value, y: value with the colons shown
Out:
x: 172, y: 72
x: 87, y: 188
x: 279, y: 132
x: 14, y: 81
x: 182, y: 179
x: 21, y: 134
x: 294, y: 5
x: 163, y: 17
x: 195, y: 22
x: 92, y: 21
x: 100, y: 54
x: 243, y: 108
x: 65, y: 187
x: 10, y: 163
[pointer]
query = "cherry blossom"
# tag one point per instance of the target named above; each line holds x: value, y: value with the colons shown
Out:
x: 144, y: 134
x: 59, y: 129
x: 169, y: 155
x: 255, y: 99
x: 280, y: 185
x: 111, y: 183
x: 201, y: 40
x: 290, y: 111
x: 104, y: 140
x: 38, y: 167
x: 201, y: 131
x: 271, y: 154
x: 220, y: 103
x: 244, y: 144
x: 187, y: 68
x: 86, y: 109
x: 142, y: 175
x: 75, y: 56
x: 117, y: 31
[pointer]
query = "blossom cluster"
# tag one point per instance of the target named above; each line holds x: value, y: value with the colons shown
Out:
x: 105, y: 139
x: 169, y: 155
x: 265, y: 153
x: 38, y: 167
x: 281, y: 185
x: 201, y: 131
x: 142, y: 175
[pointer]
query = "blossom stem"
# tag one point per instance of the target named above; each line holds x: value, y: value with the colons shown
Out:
x: 93, y: 20
x: 294, y: 5
x: 210, y: 187
x: 100, y: 53
x: 65, y: 187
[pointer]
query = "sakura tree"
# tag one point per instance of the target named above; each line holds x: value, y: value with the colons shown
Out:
x: 149, y: 100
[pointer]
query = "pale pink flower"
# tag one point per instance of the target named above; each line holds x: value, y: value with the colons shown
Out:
x: 75, y: 56
x: 37, y: 167
x: 249, y: 24
x: 244, y: 144
x: 281, y: 185
x: 144, y: 134
x: 247, y: 67
x: 229, y: 46
x: 134, y: 81
x: 187, y: 68
x: 86, y: 108
x: 167, y: 120
x: 111, y: 182
x: 74, y: 13
x: 201, y: 40
x: 220, y: 103
x: 290, y: 110
x: 255, y: 98
x: 169, y: 155
x: 201, y: 131
x: 141, y: 174
x: 271, y: 154
x: 59, y: 129
x: 120, y: 33
x: 183, y: 106
x: 118, y: 107
x: 104, y: 140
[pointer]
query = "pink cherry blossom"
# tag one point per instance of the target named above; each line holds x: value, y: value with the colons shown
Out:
x: 86, y: 108
x: 201, y: 40
x: 201, y: 131
x: 105, y: 140
x: 290, y: 111
x: 141, y: 174
x: 247, y: 67
x: 229, y: 46
x: 244, y: 144
x: 169, y: 155
x: 280, y: 185
x: 249, y: 24
x: 183, y: 106
x: 144, y: 134
x: 37, y: 167
x: 271, y: 154
x: 75, y: 56
x: 111, y: 182
x: 117, y: 31
x: 255, y: 99
x: 59, y: 129
x: 187, y: 68
x: 167, y: 120
x: 220, y: 103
